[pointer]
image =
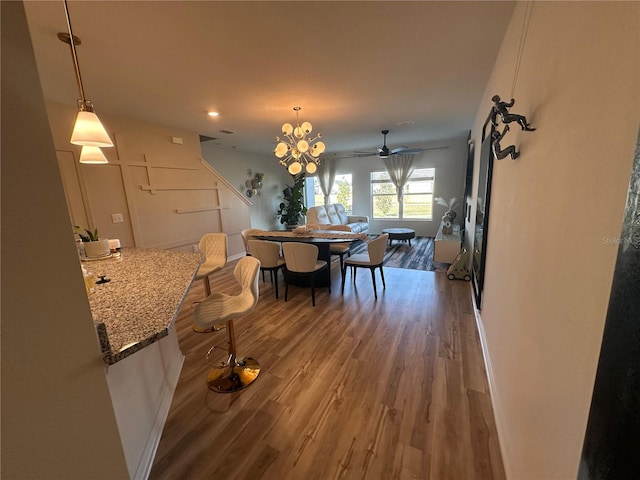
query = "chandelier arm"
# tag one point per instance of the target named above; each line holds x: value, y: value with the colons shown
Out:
x: 74, y: 54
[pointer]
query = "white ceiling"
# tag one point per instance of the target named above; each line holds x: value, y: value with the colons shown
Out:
x: 416, y: 68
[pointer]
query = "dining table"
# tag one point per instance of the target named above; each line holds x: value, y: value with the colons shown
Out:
x: 321, y: 239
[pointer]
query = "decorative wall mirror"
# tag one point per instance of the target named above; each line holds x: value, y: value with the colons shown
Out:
x: 482, y: 211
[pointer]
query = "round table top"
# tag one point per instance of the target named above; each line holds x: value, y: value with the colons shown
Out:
x: 400, y: 231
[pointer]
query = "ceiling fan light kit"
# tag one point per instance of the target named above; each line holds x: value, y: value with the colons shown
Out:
x: 297, y: 149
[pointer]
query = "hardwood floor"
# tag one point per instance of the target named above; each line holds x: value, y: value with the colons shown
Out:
x: 350, y: 389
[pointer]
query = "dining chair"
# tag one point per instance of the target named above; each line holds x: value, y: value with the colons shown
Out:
x: 341, y: 249
x: 236, y: 373
x: 373, y: 259
x: 214, y: 248
x: 247, y: 234
x: 301, y: 259
x: 270, y: 260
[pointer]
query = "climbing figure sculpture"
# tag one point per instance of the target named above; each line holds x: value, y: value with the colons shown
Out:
x: 497, y: 150
x: 502, y: 108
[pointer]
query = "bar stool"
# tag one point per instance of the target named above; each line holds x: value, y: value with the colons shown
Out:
x: 236, y: 373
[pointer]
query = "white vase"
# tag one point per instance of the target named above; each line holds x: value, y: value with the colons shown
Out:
x: 96, y: 249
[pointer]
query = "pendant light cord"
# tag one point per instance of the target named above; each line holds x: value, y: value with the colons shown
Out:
x: 74, y: 55
x: 523, y: 40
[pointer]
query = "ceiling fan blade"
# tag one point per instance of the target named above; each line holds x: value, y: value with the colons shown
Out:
x: 408, y: 151
x: 362, y: 154
x: 399, y: 149
x: 412, y: 151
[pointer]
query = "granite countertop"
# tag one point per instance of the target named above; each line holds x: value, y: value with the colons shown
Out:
x: 138, y: 306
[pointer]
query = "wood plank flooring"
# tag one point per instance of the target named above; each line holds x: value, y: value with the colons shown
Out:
x: 350, y: 389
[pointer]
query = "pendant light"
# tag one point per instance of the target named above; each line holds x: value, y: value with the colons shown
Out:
x: 92, y: 155
x: 87, y: 130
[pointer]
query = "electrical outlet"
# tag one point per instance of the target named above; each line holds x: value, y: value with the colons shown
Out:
x: 194, y: 248
x: 117, y: 218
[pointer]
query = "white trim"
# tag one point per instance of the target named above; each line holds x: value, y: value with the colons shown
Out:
x: 496, y: 403
x: 224, y: 181
x: 151, y: 447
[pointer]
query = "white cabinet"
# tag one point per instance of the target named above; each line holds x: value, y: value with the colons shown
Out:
x: 447, y: 247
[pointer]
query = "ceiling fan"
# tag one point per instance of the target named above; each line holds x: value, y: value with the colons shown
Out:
x: 384, y: 152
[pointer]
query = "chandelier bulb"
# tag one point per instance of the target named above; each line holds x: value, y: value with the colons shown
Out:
x: 306, y: 128
x: 295, y: 168
x: 302, y: 145
x: 287, y: 129
x: 311, y: 168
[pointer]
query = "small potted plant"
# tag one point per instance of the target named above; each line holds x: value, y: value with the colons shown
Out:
x: 292, y: 208
x: 94, y: 246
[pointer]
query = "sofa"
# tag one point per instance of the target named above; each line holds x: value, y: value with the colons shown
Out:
x: 335, y: 215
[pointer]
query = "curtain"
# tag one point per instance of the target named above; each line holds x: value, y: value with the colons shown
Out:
x: 399, y: 168
x: 326, y: 177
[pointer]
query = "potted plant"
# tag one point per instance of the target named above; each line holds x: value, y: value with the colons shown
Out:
x: 292, y: 208
x: 94, y: 246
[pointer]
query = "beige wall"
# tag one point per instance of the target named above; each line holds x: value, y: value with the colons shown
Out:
x: 555, y: 214
x: 57, y: 417
x: 168, y: 197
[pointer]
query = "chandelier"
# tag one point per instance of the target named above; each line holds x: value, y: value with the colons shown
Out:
x: 295, y: 150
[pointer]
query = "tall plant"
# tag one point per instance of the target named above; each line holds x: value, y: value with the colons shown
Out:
x: 292, y: 207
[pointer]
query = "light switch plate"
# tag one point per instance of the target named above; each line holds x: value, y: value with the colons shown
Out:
x: 117, y: 218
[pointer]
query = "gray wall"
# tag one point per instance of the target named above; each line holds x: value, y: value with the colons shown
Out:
x: 233, y: 166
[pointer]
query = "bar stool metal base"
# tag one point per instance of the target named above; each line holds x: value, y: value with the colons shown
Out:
x: 233, y: 376
x: 216, y: 328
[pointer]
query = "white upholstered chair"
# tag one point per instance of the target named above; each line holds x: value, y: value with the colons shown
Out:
x: 270, y: 260
x: 234, y: 374
x: 247, y: 234
x: 372, y: 259
x: 214, y: 248
x: 301, y: 260
x: 341, y: 249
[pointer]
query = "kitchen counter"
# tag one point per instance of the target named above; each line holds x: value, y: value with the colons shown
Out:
x: 138, y: 306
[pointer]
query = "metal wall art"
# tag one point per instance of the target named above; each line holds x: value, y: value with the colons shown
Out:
x: 252, y: 187
x: 500, y: 110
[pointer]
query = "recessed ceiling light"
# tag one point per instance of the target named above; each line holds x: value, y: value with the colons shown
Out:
x: 213, y: 114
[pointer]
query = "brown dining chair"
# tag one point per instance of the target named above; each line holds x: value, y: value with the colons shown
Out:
x: 236, y: 373
x: 270, y: 260
x: 301, y: 260
x: 373, y: 259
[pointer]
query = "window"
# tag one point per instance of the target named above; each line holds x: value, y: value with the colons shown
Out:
x: 342, y: 192
x: 417, y: 203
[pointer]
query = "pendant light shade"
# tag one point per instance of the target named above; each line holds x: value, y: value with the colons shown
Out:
x: 88, y: 131
x: 92, y: 155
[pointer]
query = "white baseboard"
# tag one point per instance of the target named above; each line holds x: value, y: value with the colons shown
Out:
x: 149, y: 453
x: 496, y: 403
x: 236, y: 256
x: 141, y: 388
